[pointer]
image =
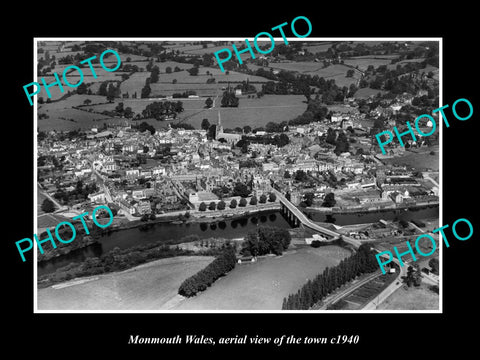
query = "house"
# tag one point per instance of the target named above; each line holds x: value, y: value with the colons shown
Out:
x: 132, y: 173
x: 396, y: 197
x: 143, y: 207
x: 97, y: 198
x: 247, y: 259
x: 127, y: 207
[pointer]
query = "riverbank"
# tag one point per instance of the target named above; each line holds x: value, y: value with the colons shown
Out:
x: 372, y: 209
x: 201, y: 216
x: 196, y: 217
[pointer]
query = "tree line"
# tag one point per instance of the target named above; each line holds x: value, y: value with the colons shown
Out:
x: 222, y: 264
x: 266, y: 240
x: 363, y: 261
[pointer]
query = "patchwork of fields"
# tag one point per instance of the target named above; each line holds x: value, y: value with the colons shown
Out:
x: 253, y: 112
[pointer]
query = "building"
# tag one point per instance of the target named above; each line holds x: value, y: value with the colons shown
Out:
x: 231, y: 139
x: 97, y: 197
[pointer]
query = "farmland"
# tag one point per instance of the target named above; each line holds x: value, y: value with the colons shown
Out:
x: 264, y: 284
x: 253, y: 112
x: 336, y: 72
x: 318, y: 47
x: 364, y: 61
x: 145, y: 287
x: 416, y: 298
x: 419, y: 159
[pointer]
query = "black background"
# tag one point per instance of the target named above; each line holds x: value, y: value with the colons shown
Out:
x: 60, y: 335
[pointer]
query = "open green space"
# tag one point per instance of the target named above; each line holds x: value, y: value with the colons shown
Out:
x: 252, y: 112
x: 264, y: 284
x: 145, y: 287
x: 413, y: 298
x: 363, y: 62
x: 419, y: 159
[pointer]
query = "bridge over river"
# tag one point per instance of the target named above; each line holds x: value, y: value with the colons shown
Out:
x: 298, y: 217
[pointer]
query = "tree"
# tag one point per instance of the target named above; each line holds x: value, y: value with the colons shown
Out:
x: 263, y: 199
x: 221, y: 205
x: 102, y: 89
x: 146, y: 90
x: 342, y: 144
x: 119, y: 108
x: 212, y: 131
x: 331, y: 136
x: 82, y: 89
x: 205, y: 124
x: 193, y: 71
x: 229, y: 99
x: 202, y: 206
x: 209, y: 102
x: 154, y: 74
x: 128, y: 113
x: 301, y: 175
x: 233, y: 204
x: 243, y: 202
x: 266, y: 240
x: 414, y: 276
x: 168, y: 70
x: 48, y: 206
x: 329, y: 200
x: 247, y: 129
x: 309, y: 197
x: 212, y: 206
x: 434, y: 264
x: 240, y: 189
x: 111, y: 92
x: 350, y: 72
x: 253, y: 200
x: 272, y: 197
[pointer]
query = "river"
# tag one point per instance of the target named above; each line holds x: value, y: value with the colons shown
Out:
x: 228, y: 229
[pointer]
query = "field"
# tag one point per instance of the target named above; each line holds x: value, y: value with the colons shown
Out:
x: 145, y: 287
x: 319, y: 47
x: 420, y: 298
x: 420, y: 160
x: 367, y: 92
x: 263, y: 285
x: 252, y: 112
x: 337, y: 72
x: 364, y: 61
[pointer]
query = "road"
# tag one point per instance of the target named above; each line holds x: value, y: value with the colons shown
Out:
x: 102, y: 185
x: 312, y: 225
x: 44, y: 193
x: 390, y: 289
x: 426, y: 175
x: 349, y: 290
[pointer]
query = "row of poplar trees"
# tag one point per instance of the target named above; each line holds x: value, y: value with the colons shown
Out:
x: 363, y: 261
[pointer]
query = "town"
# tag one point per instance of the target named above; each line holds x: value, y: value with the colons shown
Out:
x: 264, y: 137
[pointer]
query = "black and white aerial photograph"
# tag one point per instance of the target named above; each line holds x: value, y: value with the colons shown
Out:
x: 260, y: 187
x: 200, y: 179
